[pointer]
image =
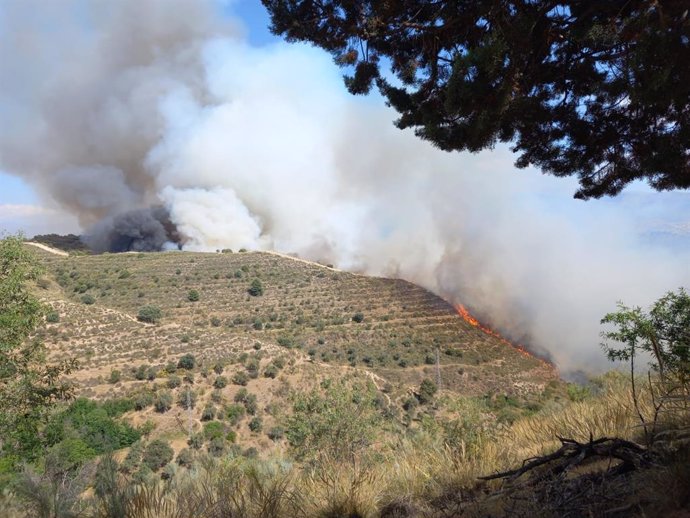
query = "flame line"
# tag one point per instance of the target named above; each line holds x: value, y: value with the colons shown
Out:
x: 467, y: 317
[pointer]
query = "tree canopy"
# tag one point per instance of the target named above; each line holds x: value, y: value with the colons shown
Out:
x: 598, y: 90
x: 28, y: 386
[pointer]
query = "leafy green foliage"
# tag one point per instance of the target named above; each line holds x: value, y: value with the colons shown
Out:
x: 186, y: 362
x: 89, y: 422
x: 149, y: 314
x: 28, y: 385
x: 192, y: 295
x: 157, y: 454
x: 427, y: 391
x: 575, y: 90
x: 256, y: 289
x: 663, y: 332
x: 163, y: 401
x: 340, y: 421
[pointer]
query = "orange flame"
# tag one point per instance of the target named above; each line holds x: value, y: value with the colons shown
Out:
x: 467, y: 317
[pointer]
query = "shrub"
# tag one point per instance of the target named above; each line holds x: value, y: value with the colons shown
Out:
x: 157, y: 454
x: 143, y: 400
x: 149, y: 314
x: 186, y: 398
x: 213, y: 429
x: 218, y: 368
x: 271, y: 371
x: 276, y: 433
x: 192, y: 295
x: 88, y: 299
x: 186, y: 362
x: 185, y: 458
x: 140, y: 373
x: 115, y: 376
x: 358, y: 317
x: 163, y: 401
x: 131, y: 462
x: 209, y: 413
x: 53, y: 317
x: 216, y: 447
x: 256, y: 424
x: 252, y: 367
x: 173, y: 381
x: 235, y: 413
x: 427, y: 391
x: 240, y: 378
x: 196, y: 441
x: 250, y: 404
x: 241, y: 395
x: 256, y: 289
x: 220, y: 382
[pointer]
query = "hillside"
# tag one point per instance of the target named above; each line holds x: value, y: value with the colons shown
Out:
x: 310, y: 308
x: 309, y: 391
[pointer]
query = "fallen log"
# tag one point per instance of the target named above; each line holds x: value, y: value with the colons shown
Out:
x: 572, y: 453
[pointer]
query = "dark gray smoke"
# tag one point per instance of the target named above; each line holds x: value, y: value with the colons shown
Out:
x: 141, y: 230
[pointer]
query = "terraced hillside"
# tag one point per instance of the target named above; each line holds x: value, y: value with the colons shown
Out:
x: 390, y: 327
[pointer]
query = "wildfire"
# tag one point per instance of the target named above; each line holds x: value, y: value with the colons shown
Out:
x: 467, y: 317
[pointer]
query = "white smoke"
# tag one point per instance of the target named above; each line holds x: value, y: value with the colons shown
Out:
x: 135, y: 104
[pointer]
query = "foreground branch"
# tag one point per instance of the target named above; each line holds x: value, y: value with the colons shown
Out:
x: 573, y: 453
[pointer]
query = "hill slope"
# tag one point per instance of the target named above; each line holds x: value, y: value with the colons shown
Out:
x: 388, y: 326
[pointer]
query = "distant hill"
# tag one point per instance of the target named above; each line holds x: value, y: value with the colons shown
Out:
x: 68, y: 242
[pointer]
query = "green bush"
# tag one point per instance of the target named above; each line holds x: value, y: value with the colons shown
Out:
x: 149, y: 314
x: 240, y: 378
x: 186, y: 362
x: 276, y: 433
x: 143, y: 400
x: 115, y: 376
x: 235, y: 413
x: 173, y: 381
x: 192, y: 295
x: 256, y: 289
x: 89, y: 421
x: 88, y: 299
x: 157, y: 454
x: 271, y: 371
x: 358, y: 317
x: 53, y: 317
x: 216, y: 447
x: 163, y: 401
x: 250, y: 404
x: 220, y: 382
x: 241, y: 395
x: 186, y: 398
x: 208, y: 413
x: 185, y: 458
x: 213, y: 429
x: 256, y: 424
x: 427, y: 391
x: 140, y: 373
x: 196, y: 441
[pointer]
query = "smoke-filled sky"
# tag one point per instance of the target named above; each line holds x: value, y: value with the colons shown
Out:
x: 241, y: 140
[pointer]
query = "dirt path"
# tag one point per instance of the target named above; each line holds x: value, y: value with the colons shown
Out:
x: 47, y: 248
x: 306, y: 261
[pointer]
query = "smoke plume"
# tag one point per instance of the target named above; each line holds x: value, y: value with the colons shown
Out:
x: 111, y: 108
